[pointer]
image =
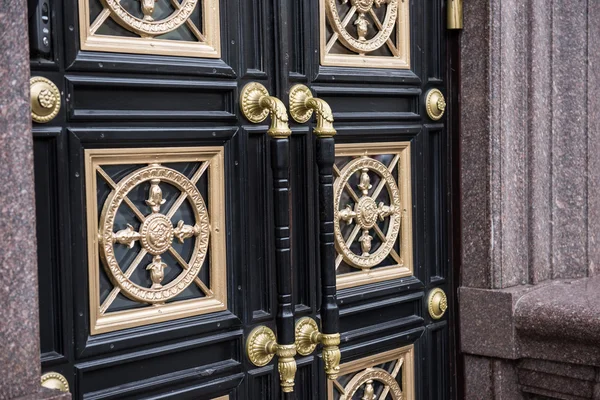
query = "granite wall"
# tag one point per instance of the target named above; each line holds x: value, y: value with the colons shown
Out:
x: 19, y: 326
x: 530, y: 192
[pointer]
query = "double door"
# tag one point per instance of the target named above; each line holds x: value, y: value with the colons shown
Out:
x: 243, y: 199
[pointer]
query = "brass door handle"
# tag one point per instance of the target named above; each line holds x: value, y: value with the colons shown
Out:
x: 262, y: 344
x: 302, y: 106
x: 54, y: 380
x: 45, y: 99
x: 257, y: 104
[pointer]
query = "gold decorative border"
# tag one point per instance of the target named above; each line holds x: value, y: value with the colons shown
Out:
x: 402, y: 149
x: 401, y: 61
x: 102, y: 323
x: 405, y: 353
x: 210, y: 48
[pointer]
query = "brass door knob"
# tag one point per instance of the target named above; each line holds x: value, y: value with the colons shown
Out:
x: 437, y: 303
x: 54, y: 380
x: 45, y: 99
x: 436, y: 104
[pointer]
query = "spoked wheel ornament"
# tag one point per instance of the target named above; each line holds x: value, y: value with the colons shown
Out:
x: 155, y: 235
x: 366, y: 213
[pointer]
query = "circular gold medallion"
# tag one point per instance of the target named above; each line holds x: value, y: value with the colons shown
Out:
x: 366, y: 212
x: 147, y: 26
x: 437, y: 303
x: 156, y: 234
x: 54, y: 380
x: 436, y: 104
x: 45, y: 99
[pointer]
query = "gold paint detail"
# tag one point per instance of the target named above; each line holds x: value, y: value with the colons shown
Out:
x: 156, y: 234
x: 331, y: 354
x: 360, y: 44
x: 56, y: 381
x: 205, y: 32
x: 307, y: 339
x: 366, y: 378
x: 256, y: 105
x: 396, y: 382
x: 436, y: 104
x: 261, y: 347
x: 45, y: 99
x: 437, y: 303
x: 286, y: 365
x: 455, y: 14
x: 148, y: 27
x: 307, y: 336
x: 302, y: 106
x: 366, y: 212
x: 368, y: 40
x: 399, y: 262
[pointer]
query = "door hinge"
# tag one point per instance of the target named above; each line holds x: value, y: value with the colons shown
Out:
x: 455, y: 14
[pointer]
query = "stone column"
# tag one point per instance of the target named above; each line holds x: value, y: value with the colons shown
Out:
x: 530, y: 192
x: 19, y: 326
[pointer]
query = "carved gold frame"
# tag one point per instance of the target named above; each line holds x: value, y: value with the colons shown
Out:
x: 101, y: 322
x: 406, y: 354
x: 208, y: 48
x: 404, y: 266
x: 400, y: 59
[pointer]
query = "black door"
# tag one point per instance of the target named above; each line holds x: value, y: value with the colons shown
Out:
x: 164, y: 207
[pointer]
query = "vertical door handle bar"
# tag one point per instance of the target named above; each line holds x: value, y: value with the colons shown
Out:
x: 302, y: 106
x: 262, y: 344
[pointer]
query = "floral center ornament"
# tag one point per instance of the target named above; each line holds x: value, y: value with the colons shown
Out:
x: 147, y: 26
x: 366, y: 213
x: 366, y: 14
x: 156, y: 234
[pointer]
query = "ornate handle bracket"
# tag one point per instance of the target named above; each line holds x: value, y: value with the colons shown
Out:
x: 262, y: 346
x: 302, y: 106
x: 257, y: 104
x: 307, y: 339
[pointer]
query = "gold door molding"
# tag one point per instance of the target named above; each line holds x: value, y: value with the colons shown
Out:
x: 383, y: 376
x: 365, y: 33
x: 164, y: 27
x: 372, y: 213
x: 156, y: 243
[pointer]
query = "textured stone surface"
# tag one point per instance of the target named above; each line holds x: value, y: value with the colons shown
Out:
x: 475, y: 137
x: 480, y: 310
x: 46, y: 394
x: 539, y: 145
x: 562, y: 310
x: 569, y: 139
x: 593, y: 112
x: 478, y: 378
x: 19, y: 336
x: 530, y: 173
